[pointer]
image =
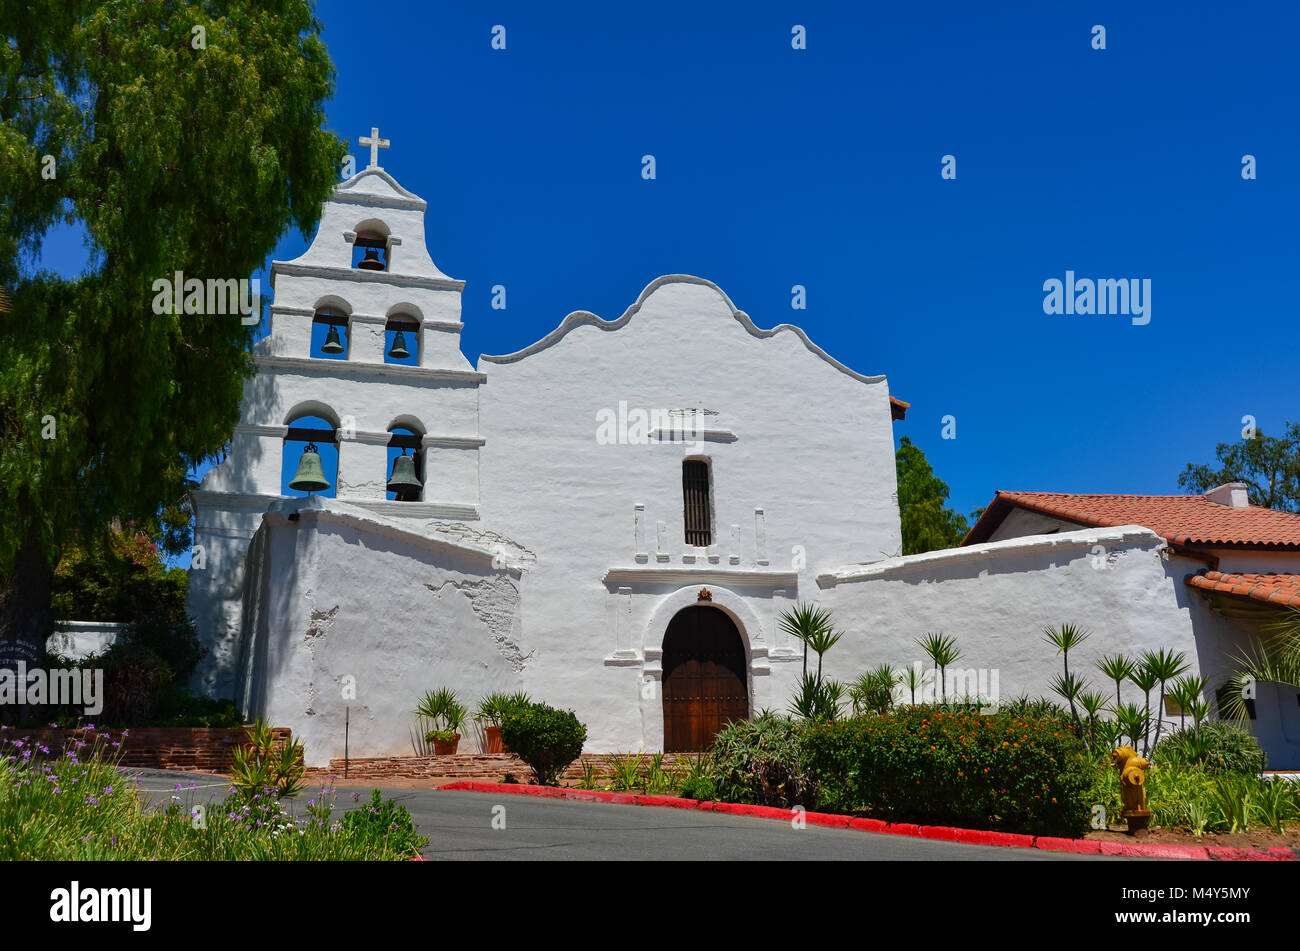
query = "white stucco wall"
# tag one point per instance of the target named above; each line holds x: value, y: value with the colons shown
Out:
x: 997, y: 598
x: 350, y: 614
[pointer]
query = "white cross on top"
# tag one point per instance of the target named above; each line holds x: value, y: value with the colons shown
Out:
x: 375, y: 143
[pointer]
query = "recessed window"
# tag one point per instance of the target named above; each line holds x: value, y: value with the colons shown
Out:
x: 309, y: 461
x: 698, y: 511
x: 329, y: 335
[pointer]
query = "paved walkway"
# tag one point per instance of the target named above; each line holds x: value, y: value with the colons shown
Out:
x: 465, y: 826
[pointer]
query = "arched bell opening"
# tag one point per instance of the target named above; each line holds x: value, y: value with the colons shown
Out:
x: 402, y: 340
x: 370, y: 250
x: 309, y: 461
x: 329, y: 334
x: 405, y: 465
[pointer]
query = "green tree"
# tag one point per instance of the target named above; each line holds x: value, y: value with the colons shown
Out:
x: 183, y: 136
x: 1269, y: 467
x: 928, y: 524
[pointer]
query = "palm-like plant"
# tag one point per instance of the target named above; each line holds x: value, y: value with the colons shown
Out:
x: 942, y: 651
x: 1165, y: 665
x: 812, y: 626
x: 1145, y: 679
x: 1187, y: 692
x: 913, y: 679
x: 1093, y: 704
x: 1118, y: 668
x: 1132, y: 721
x: 1063, y: 638
x: 1273, y: 659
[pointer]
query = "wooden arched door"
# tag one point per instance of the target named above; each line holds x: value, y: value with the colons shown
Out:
x: 705, y: 683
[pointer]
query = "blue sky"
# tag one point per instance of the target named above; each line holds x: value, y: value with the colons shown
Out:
x: 821, y: 167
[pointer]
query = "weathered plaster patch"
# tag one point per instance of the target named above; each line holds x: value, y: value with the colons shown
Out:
x: 496, y: 602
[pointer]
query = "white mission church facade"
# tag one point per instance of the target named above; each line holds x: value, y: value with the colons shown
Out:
x: 611, y: 519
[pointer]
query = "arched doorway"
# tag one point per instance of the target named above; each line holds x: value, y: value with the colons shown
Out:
x: 704, y: 679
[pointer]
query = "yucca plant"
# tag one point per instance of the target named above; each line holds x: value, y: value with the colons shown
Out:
x: 817, y: 700
x: 1232, y: 798
x: 1198, y: 816
x: 873, y: 692
x: 1093, y: 704
x: 1276, y: 804
x: 1145, y: 679
x: 1132, y: 722
x: 1118, y: 668
x: 624, y: 770
x: 259, y: 767
x: 1187, y: 692
x: 590, y: 776
x: 913, y: 679
x: 810, y: 625
x: 1165, y: 665
x: 942, y: 651
x: 1063, y: 638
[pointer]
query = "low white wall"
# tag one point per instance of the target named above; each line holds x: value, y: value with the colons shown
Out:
x: 77, y: 640
x: 995, y: 600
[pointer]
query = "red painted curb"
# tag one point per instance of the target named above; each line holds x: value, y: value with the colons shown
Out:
x: 1081, y: 846
x: 877, y: 826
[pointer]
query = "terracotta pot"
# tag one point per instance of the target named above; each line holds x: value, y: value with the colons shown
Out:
x: 446, y: 747
x: 493, y: 739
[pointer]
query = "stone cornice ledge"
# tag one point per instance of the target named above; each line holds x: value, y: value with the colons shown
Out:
x: 358, y: 368
x: 264, y: 503
x: 1085, y: 539
x: 332, y: 511
x: 707, y: 575
x: 365, y: 277
x: 580, y: 317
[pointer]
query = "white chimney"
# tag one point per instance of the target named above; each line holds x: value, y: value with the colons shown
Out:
x: 1232, y: 494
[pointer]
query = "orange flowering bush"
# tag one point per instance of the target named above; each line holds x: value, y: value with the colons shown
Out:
x: 926, y: 765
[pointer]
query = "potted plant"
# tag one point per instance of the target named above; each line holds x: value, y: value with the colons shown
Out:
x: 445, y: 715
x: 490, y: 711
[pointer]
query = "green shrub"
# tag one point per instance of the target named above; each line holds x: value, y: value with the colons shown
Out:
x: 1217, y: 745
x: 759, y: 761
x: 384, y: 822
x: 548, y: 740
x: 920, y: 764
x: 701, y: 788
x: 260, y: 768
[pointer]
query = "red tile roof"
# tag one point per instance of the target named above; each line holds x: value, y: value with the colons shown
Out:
x: 1283, y: 590
x: 1180, y: 519
x: 897, y: 408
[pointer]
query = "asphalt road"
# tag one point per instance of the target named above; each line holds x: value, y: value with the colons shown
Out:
x: 460, y: 827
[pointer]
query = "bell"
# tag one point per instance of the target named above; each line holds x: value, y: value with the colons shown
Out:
x: 404, y: 482
x: 332, y: 342
x: 399, y: 351
x: 310, y: 476
x: 371, y: 261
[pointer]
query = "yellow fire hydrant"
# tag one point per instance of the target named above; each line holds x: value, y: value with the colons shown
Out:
x: 1132, y: 783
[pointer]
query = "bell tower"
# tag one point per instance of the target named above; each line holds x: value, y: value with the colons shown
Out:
x: 363, y: 364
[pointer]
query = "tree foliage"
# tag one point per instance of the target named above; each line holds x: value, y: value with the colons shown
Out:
x: 176, y: 149
x: 1269, y: 466
x: 928, y: 524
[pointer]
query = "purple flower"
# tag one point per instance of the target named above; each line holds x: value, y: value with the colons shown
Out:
x: 92, y: 800
x: 108, y: 790
x: 115, y: 840
x: 178, y: 785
